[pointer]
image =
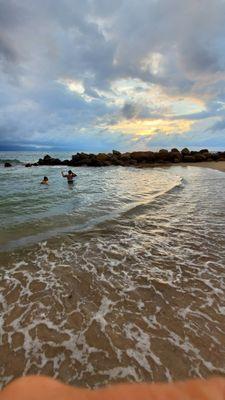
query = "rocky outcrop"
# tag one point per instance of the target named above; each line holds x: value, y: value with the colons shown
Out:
x: 7, y: 165
x: 135, y: 158
x: 48, y: 160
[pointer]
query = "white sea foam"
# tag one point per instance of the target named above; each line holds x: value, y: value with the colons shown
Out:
x: 139, y: 297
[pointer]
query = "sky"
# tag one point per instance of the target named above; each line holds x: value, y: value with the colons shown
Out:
x: 97, y: 75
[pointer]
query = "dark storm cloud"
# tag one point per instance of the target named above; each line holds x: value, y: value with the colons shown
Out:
x: 176, y: 45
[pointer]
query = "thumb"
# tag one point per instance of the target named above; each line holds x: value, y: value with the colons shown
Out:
x: 36, y: 388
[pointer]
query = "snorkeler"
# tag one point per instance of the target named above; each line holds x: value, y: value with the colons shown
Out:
x: 44, y: 181
x: 70, y: 175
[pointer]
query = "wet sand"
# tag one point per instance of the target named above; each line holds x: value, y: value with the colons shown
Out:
x: 218, y: 165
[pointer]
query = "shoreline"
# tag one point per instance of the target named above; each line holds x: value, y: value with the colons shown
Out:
x: 217, y: 165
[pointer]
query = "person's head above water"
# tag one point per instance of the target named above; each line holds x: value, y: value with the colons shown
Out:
x: 70, y: 172
x: 45, y: 180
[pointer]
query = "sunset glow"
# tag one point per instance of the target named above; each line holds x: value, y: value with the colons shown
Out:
x: 94, y: 76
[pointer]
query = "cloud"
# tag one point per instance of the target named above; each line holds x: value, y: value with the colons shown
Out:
x: 74, y: 72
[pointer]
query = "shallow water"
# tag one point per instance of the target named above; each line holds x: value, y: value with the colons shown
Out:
x: 137, y: 295
x: 30, y: 211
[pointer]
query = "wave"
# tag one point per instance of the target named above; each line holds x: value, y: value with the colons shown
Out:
x: 157, y: 196
x: 10, y: 160
x: 89, y: 225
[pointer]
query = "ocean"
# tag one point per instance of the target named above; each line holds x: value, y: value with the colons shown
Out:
x: 118, y: 277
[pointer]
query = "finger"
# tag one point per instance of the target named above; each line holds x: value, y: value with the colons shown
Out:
x: 36, y: 388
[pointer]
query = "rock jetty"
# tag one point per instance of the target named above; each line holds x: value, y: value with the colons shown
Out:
x: 136, y: 158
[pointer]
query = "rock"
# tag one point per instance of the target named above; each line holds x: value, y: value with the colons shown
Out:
x: 204, y: 151
x: 47, y: 160
x: 116, y: 153
x: 143, y: 156
x: 162, y: 156
x: 47, y: 157
x: 189, y: 159
x: 7, y: 165
x: 116, y: 161
x: 40, y: 161
x: 126, y: 157
x: 199, y: 157
x: 175, y: 156
x: 185, y: 152
x: 132, y: 162
x: 215, y: 156
x: 65, y: 162
x: 176, y: 160
x: 221, y: 156
x: 81, y: 159
x: 28, y: 165
x: 94, y: 162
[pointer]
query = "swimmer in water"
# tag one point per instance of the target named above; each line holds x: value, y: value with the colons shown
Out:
x: 70, y: 175
x: 44, y: 181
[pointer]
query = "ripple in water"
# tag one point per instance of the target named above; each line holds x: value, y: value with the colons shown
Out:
x: 139, y: 297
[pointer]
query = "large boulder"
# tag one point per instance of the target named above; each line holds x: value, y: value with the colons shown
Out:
x: 125, y: 156
x: 185, y: 152
x: 103, y: 159
x: 199, y: 157
x: 81, y: 159
x: 7, y: 165
x: 221, y: 156
x: 215, y: 156
x: 48, y: 160
x: 143, y: 156
x: 116, y: 153
x: 95, y: 162
x: 204, y: 151
x: 188, y: 159
x: 175, y: 156
x: 162, y: 156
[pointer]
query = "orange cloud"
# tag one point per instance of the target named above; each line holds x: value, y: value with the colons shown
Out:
x: 152, y: 126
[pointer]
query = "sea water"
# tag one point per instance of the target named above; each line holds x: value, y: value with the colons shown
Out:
x: 118, y: 277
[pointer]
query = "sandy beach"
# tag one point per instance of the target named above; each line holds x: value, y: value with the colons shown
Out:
x: 218, y: 165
